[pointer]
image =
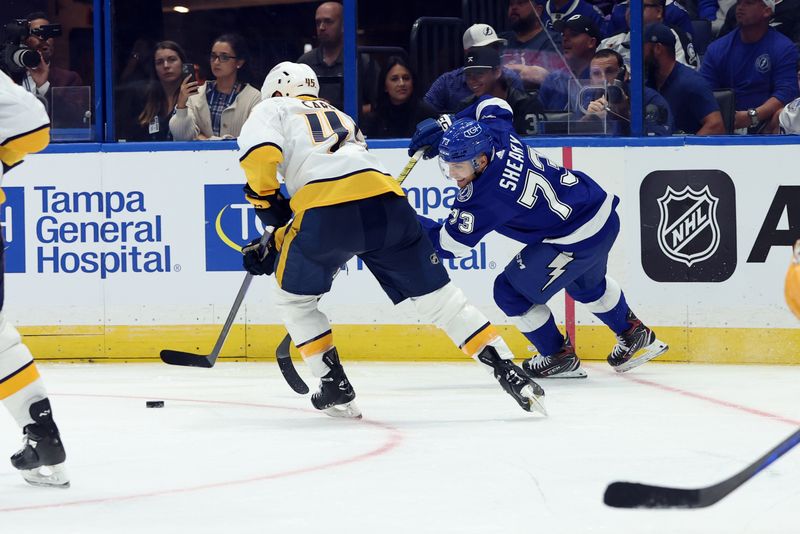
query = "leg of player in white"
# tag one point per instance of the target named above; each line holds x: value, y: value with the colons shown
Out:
x: 41, y: 458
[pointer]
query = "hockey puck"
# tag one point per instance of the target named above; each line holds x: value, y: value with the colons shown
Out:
x: 155, y: 404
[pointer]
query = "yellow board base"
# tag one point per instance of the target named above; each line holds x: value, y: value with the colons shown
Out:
x: 392, y: 343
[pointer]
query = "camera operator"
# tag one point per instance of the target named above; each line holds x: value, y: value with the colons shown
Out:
x: 608, y: 98
x: 42, y: 78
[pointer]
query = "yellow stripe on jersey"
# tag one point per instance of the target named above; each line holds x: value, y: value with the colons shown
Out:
x: 18, y: 380
x: 479, y: 340
x: 260, y: 165
x: 361, y: 184
x: 289, y: 233
x: 14, y: 149
x: 316, y: 346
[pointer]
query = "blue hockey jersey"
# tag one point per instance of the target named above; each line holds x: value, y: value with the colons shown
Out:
x: 521, y: 195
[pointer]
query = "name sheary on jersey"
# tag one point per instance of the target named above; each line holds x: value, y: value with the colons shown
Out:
x: 118, y: 236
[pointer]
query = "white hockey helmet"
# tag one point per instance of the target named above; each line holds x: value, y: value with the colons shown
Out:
x: 290, y: 79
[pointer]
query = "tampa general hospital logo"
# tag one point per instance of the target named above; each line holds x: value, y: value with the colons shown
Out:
x: 688, y: 226
x: 230, y: 223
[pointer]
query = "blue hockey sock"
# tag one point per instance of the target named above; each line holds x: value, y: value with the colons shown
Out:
x: 547, y: 339
x: 617, y: 317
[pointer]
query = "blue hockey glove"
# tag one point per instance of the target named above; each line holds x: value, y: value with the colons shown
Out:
x: 429, y: 134
x: 260, y: 260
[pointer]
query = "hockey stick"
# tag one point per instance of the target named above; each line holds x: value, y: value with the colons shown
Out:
x: 282, y: 353
x: 634, y: 495
x: 188, y: 359
x: 287, y: 367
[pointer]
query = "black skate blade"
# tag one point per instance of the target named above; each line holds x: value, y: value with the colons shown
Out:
x: 186, y: 359
x: 635, y: 495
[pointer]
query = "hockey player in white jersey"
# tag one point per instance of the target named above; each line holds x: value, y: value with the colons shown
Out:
x: 346, y: 204
x: 24, y: 129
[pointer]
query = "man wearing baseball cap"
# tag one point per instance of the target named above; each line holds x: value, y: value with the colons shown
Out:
x: 556, y: 10
x: 580, y: 40
x: 484, y: 77
x: 449, y: 89
x: 689, y: 97
x: 757, y: 62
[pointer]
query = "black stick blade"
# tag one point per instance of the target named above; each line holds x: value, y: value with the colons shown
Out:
x: 634, y: 495
x: 287, y: 367
x: 186, y: 359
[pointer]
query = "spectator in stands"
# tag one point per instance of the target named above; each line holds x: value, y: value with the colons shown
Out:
x: 789, y: 118
x: 484, y: 77
x: 150, y: 120
x: 556, y: 10
x: 687, y: 93
x: 219, y: 108
x: 560, y: 89
x: 675, y: 16
x: 757, y: 62
x: 530, y: 49
x: 612, y: 103
x: 327, y: 60
x: 399, y: 107
x: 785, y: 19
x: 41, y: 79
x: 449, y: 89
x: 652, y: 12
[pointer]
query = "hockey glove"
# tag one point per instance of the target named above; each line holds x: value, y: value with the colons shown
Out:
x: 429, y: 134
x: 277, y: 214
x: 260, y: 260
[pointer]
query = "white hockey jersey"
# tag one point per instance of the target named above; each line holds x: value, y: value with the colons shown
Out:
x: 318, y: 150
x: 24, y: 124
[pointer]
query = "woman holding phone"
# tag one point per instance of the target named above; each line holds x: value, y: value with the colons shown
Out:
x: 218, y: 108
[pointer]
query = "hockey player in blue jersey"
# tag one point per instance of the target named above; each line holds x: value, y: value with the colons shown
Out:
x: 567, y: 222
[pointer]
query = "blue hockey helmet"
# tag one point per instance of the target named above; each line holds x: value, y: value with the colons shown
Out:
x: 464, y: 141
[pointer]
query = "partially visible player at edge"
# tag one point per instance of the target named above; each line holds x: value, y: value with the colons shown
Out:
x: 24, y: 129
x: 567, y: 222
x: 792, y: 286
x: 346, y: 204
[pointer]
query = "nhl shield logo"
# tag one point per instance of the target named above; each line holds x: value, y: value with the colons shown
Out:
x: 688, y: 231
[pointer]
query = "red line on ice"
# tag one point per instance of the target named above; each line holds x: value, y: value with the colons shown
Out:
x: 392, y: 441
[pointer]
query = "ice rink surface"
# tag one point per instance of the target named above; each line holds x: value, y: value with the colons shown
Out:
x: 441, y: 449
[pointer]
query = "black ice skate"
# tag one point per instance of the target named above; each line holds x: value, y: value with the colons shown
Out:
x: 528, y: 394
x: 635, y: 346
x: 563, y: 364
x: 335, y: 396
x: 41, y: 459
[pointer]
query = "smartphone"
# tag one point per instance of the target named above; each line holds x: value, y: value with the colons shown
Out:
x: 188, y: 70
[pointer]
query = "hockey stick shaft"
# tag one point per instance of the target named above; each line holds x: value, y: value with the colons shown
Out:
x: 282, y: 353
x: 173, y: 357
x: 634, y: 495
x: 410, y: 165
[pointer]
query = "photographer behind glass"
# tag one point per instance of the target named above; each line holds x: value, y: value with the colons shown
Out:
x: 607, y: 99
x: 36, y: 33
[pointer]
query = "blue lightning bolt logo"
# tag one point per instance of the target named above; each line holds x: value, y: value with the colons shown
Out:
x: 558, y: 265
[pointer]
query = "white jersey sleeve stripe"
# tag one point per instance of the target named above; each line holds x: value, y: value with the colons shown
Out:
x: 499, y: 102
x: 448, y: 243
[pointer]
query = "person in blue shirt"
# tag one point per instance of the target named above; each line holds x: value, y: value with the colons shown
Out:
x: 556, y: 10
x: 675, y: 15
x: 560, y: 89
x: 609, y: 100
x: 566, y: 221
x: 688, y: 94
x: 757, y: 62
x: 449, y: 89
x: 530, y: 50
